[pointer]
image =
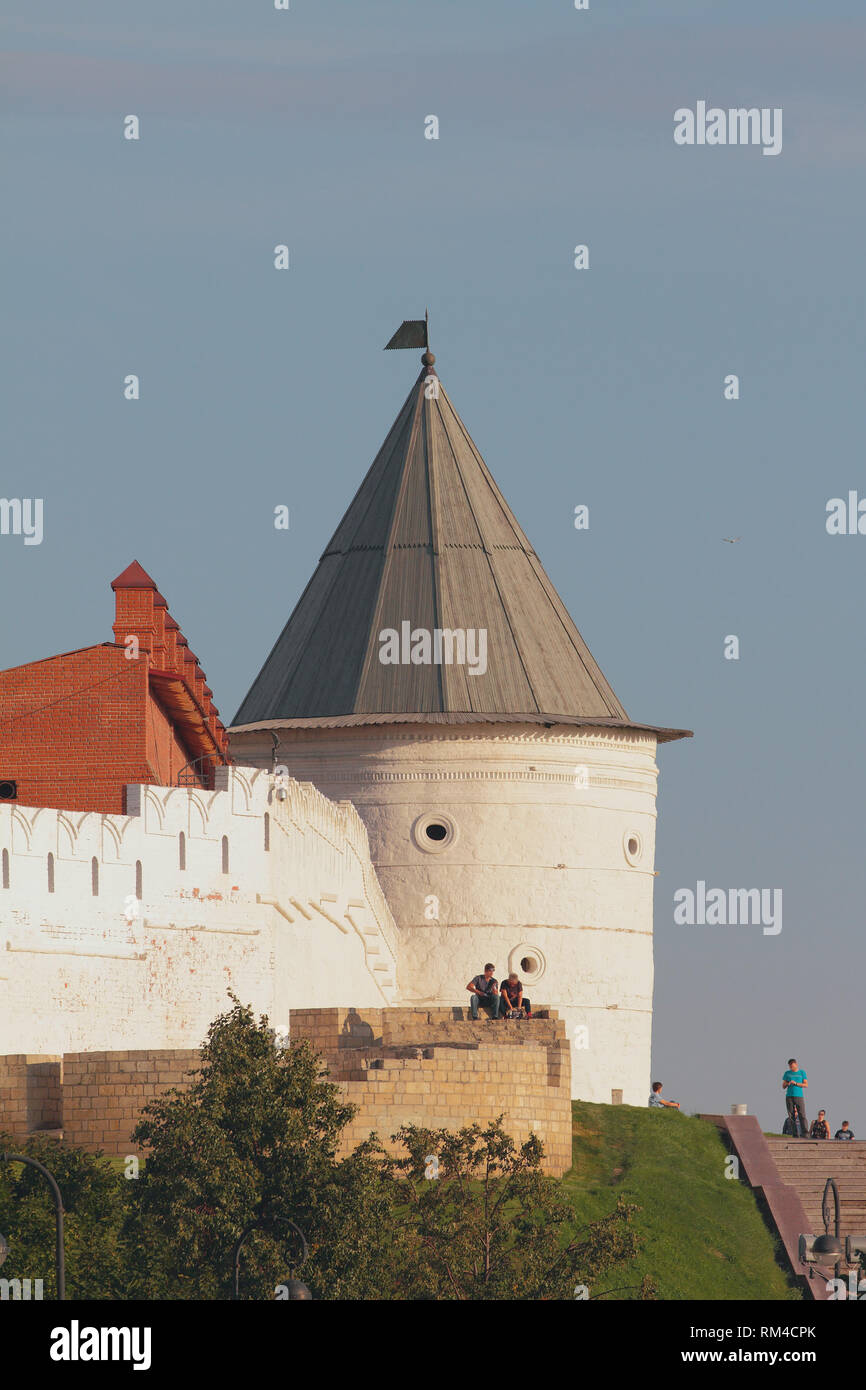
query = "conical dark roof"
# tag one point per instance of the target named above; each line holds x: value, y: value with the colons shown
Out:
x: 429, y: 540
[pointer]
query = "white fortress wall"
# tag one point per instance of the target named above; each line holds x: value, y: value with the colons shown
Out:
x: 301, y: 923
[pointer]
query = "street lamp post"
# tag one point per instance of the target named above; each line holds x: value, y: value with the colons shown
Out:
x: 59, y: 1255
x: 297, y: 1290
x: 836, y: 1249
x: 822, y: 1250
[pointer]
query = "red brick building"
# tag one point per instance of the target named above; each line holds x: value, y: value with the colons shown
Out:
x: 76, y: 728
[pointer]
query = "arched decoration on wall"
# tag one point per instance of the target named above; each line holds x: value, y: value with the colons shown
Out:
x: 22, y: 830
x: 94, y: 877
x: 111, y: 839
x: 261, y: 774
x: 50, y: 872
x: 225, y: 854
x: 153, y: 803
x: 46, y: 813
x: 5, y: 868
x: 241, y: 789
x: 65, y: 824
x: 196, y: 801
x: 181, y: 851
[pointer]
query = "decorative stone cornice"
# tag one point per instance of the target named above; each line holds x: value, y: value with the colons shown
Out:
x: 456, y: 733
x: 377, y: 777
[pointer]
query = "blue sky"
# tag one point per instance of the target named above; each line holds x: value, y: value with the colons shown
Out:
x: 601, y: 387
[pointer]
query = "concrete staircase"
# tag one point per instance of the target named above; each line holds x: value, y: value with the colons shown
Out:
x: 806, y: 1164
x: 789, y: 1175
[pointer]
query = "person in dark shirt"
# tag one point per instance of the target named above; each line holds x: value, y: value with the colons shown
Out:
x: 820, y: 1128
x: 513, y: 997
x: 844, y: 1132
x: 485, y: 990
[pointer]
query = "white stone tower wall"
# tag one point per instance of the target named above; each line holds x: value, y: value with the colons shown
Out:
x: 549, y: 854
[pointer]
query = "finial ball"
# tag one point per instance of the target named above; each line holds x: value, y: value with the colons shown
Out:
x: 428, y: 358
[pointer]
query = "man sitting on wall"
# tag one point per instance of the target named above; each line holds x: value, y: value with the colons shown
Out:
x: 485, y: 989
x: 514, y: 1002
x: 844, y: 1132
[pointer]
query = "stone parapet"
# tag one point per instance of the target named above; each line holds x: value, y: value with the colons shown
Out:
x: 105, y: 1092
x: 437, y: 1069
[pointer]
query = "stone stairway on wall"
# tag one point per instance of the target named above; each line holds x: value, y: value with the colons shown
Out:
x: 806, y: 1164
x: 408, y: 1034
x: 357, y: 1041
x: 455, y: 1025
x: 435, y: 1068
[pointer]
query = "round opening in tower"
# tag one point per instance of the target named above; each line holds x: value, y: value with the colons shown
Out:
x: 434, y: 832
x: 632, y: 845
x: 528, y: 960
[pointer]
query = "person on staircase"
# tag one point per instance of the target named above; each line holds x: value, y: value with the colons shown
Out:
x: 793, y: 1082
x: 820, y: 1128
x: 844, y: 1132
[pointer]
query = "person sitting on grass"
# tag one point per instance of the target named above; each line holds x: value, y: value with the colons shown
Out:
x: 485, y: 990
x: 820, y: 1128
x: 657, y: 1100
x: 514, y: 1002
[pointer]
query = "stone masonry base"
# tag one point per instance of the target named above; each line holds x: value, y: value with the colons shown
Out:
x: 430, y: 1067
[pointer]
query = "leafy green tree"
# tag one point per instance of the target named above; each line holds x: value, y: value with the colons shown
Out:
x: 93, y: 1203
x: 481, y: 1221
x: 255, y: 1136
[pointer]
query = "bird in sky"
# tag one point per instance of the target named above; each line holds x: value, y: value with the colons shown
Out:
x: 732, y: 540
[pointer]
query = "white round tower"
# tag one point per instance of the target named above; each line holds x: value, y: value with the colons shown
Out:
x: 431, y: 675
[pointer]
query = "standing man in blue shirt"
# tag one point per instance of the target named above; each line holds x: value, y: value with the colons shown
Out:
x: 793, y: 1082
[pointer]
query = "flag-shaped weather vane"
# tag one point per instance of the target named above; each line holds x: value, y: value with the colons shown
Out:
x: 415, y: 333
x: 412, y: 333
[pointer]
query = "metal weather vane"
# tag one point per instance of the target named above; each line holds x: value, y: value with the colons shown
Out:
x: 412, y: 333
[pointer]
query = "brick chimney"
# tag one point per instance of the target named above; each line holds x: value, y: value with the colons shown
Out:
x: 140, y: 611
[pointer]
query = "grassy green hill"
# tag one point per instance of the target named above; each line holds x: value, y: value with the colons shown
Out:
x: 702, y: 1233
